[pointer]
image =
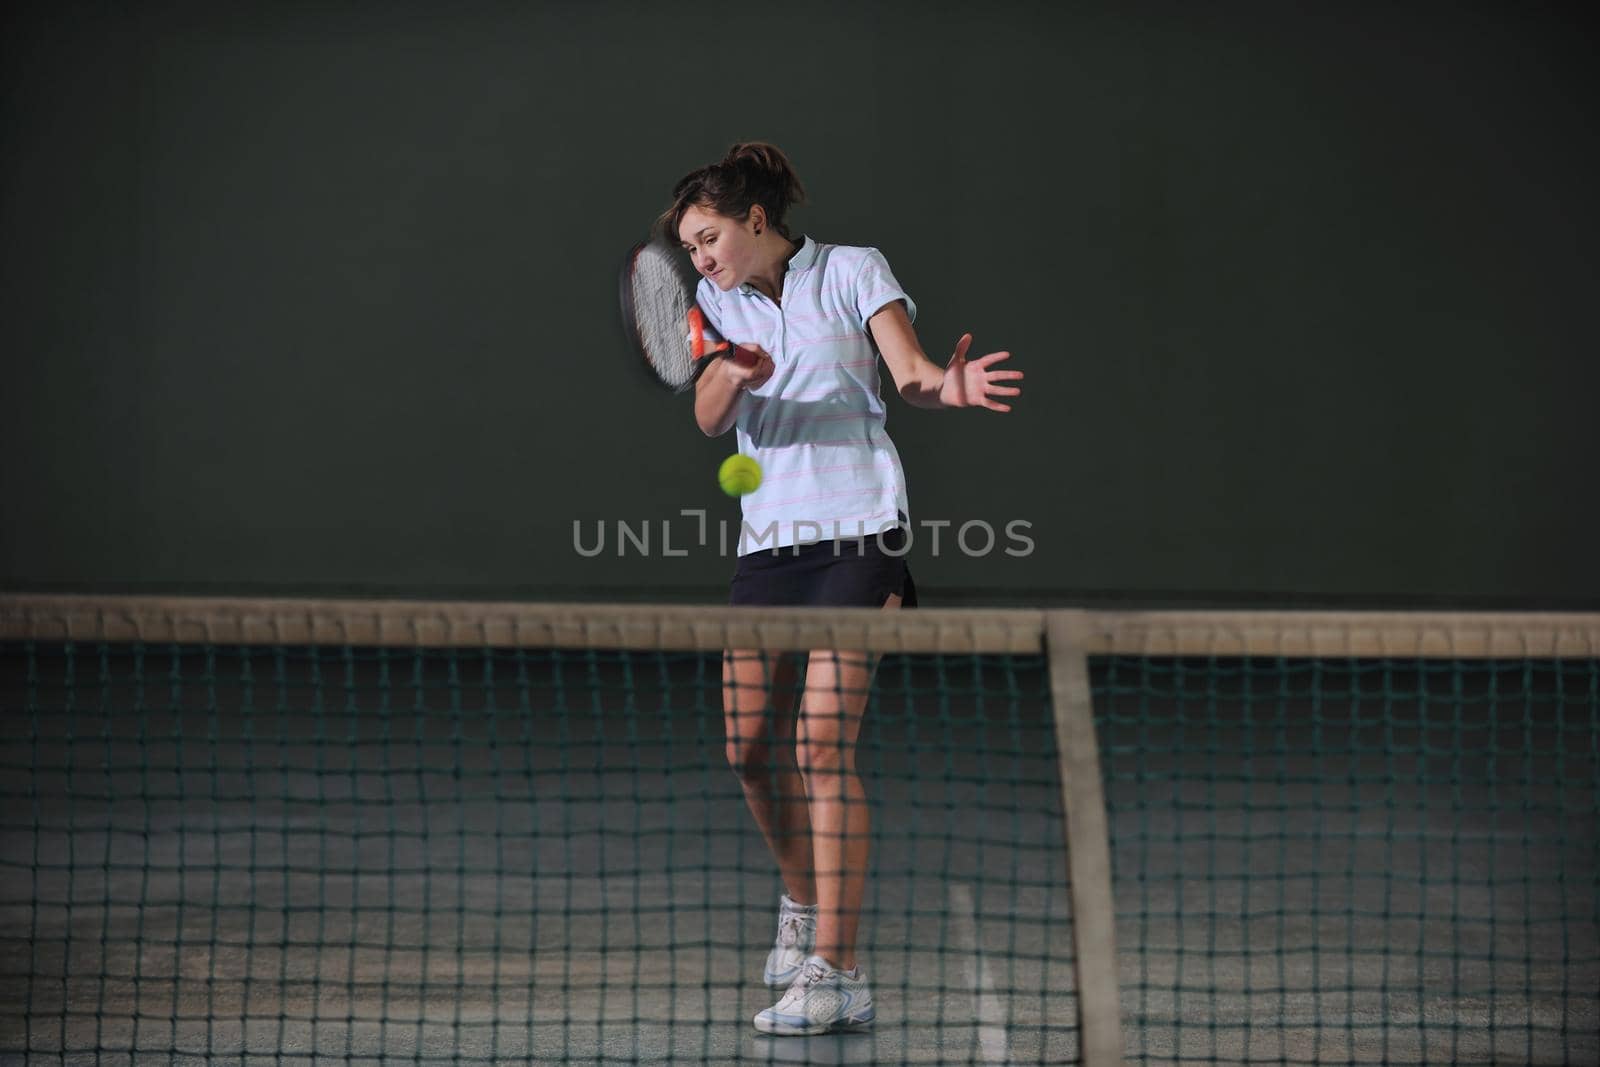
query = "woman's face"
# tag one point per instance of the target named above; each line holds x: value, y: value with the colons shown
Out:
x: 721, y: 248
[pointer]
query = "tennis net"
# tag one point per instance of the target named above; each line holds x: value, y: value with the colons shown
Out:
x: 388, y: 832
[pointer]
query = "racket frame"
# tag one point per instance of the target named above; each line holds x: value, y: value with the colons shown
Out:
x: 698, y: 332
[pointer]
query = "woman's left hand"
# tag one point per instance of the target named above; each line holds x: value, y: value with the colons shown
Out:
x: 973, y: 384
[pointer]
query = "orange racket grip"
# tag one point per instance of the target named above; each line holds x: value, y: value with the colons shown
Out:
x: 700, y: 344
x: 703, y: 342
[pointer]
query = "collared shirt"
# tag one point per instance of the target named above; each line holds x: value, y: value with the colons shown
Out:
x: 816, y: 426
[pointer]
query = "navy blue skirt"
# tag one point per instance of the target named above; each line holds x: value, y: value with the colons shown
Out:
x: 852, y: 573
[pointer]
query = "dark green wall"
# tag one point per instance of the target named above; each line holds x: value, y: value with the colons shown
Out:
x: 319, y: 297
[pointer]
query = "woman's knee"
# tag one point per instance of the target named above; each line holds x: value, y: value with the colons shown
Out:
x: 750, y: 758
x: 821, y: 760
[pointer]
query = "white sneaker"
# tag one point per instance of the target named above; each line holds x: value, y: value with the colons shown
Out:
x: 821, y: 1000
x: 797, y: 936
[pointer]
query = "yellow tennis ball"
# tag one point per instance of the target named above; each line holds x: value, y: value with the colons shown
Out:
x: 738, y: 475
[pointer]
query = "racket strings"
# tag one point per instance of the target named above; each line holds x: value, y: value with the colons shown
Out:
x: 661, y: 311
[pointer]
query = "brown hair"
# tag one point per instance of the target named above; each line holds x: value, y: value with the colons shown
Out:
x: 752, y: 173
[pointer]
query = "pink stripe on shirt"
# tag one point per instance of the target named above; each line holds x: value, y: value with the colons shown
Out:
x: 770, y: 504
x: 809, y: 471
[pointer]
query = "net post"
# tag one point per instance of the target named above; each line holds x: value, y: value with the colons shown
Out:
x: 1088, y: 842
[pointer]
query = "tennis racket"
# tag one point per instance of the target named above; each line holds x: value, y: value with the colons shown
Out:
x: 661, y: 319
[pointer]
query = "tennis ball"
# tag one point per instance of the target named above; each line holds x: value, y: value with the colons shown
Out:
x: 738, y: 475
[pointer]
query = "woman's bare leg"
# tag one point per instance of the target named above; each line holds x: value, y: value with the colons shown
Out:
x: 830, y: 719
x: 758, y: 702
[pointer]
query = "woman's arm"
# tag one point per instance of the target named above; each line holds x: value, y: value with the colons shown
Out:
x: 919, y: 379
x: 716, y: 393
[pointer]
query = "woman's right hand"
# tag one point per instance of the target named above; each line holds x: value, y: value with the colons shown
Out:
x: 747, y: 366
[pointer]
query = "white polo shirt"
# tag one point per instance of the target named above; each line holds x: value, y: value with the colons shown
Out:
x: 816, y: 426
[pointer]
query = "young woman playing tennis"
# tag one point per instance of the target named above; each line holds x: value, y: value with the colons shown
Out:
x: 826, y: 527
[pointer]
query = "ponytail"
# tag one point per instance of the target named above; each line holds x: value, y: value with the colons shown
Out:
x: 753, y: 172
